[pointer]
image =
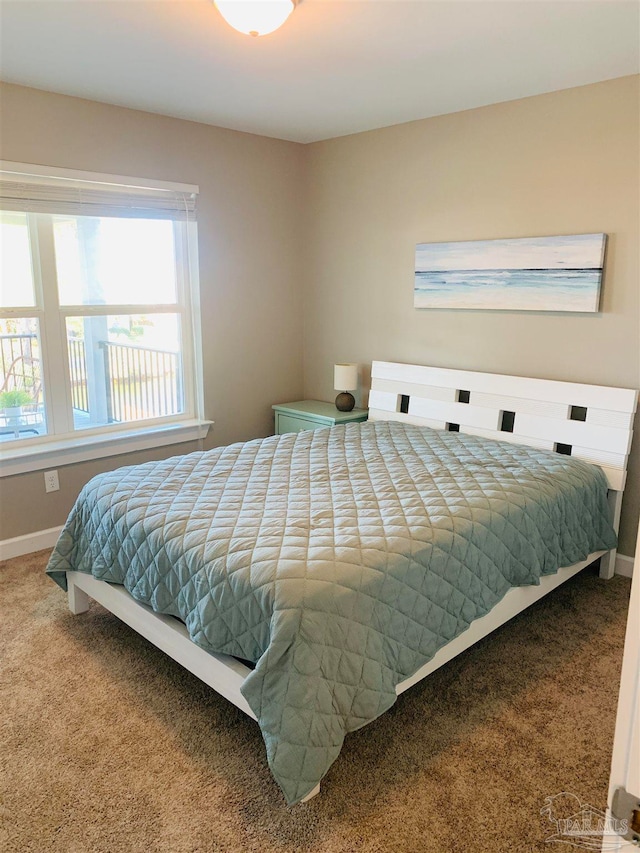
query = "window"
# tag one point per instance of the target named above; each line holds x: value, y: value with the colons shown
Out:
x: 96, y: 306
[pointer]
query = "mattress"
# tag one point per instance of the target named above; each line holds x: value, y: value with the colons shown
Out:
x: 337, y: 560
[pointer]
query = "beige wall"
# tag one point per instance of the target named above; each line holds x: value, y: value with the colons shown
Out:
x: 250, y: 248
x: 564, y: 163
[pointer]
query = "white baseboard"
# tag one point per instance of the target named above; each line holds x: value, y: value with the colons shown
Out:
x: 624, y: 565
x: 29, y: 543
x: 41, y: 539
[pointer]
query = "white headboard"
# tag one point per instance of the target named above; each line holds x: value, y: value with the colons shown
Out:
x: 591, y: 422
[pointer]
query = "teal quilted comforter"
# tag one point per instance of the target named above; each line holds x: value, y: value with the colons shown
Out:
x: 338, y: 560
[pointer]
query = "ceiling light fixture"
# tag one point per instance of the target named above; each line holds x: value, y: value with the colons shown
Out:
x: 255, y: 17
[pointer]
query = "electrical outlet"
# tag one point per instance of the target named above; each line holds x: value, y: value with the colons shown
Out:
x: 51, y: 483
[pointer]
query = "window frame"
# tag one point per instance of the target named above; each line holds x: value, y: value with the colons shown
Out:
x: 63, y: 444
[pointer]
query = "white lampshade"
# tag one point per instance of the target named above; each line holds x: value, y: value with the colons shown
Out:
x: 255, y: 17
x: 345, y: 377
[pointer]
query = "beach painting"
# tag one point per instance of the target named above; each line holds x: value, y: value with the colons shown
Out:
x: 526, y: 274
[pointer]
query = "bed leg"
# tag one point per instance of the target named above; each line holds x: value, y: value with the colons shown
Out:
x: 78, y: 599
x: 608, y: 564
x: 608, y: 560
x: 311, y: 794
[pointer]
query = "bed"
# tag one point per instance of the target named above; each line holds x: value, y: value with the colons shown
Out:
x: 311, y: 578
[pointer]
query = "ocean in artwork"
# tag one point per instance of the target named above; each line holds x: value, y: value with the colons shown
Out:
x: 532, y: 274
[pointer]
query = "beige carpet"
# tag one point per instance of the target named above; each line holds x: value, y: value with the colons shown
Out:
x: 107, y: 745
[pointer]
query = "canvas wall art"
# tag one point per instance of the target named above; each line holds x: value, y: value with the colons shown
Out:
x: 528, y: 274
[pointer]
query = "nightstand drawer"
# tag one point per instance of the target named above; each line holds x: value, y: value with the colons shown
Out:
x: 290, y: 423
x: 312, y: 414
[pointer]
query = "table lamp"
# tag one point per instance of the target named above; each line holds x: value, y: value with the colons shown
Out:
x: 345, y: 379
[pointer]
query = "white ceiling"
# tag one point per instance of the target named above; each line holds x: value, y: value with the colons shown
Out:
x: 336, y: 67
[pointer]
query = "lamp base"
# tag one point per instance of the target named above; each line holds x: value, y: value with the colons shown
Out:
x: 345, y: 402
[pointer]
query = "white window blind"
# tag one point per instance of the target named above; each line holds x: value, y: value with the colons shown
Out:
x: 26, y: 189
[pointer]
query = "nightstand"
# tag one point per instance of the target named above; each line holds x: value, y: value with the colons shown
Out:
x: 312, y: 414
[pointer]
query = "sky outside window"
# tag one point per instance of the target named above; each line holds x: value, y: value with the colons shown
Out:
x: 110, y: 261
x: 16, y: 274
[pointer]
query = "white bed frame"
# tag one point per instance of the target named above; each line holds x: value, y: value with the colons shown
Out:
x: 591, y: 422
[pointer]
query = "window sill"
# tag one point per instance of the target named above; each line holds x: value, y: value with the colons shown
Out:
x: 68, y: 451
